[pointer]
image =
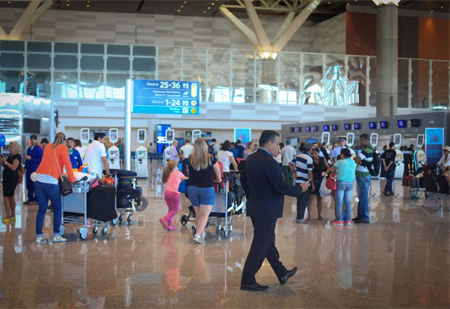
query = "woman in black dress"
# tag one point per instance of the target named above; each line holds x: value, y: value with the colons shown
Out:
x: 11, y: 166
x: 320, y: 169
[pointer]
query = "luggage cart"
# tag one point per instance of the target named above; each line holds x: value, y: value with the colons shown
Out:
x: 221, y: 213
x: 75, y: 204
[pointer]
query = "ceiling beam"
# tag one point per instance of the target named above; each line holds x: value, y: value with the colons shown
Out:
x: 3, y: 34
x: 295, y: 25
x: 32, y: 13
x: 285, y: 25
x: 24, y: 20
x: 248, y: 34
x: 41, y: 10
x: 261, y: 34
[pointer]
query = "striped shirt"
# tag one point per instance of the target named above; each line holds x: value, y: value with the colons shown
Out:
x: 366, y: 155
x: 303, y: 163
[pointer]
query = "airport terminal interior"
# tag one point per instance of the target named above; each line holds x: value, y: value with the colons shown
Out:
x: 153, y: 75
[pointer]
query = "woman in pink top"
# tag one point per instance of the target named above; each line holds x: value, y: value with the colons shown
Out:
x: 172, y: 177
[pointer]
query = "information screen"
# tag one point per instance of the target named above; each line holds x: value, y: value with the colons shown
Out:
x: 166, y: 97
x: 401, y: 123
x: 372, y: 125
x: 326, y: 127
x: 347, y: 126
x: 308, y: 129
x: 357, y: 126
x: 383, y: 125
x: 334, y: 127
x: 315, y: 128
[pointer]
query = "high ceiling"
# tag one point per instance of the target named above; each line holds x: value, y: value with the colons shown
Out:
x: 327, y: 8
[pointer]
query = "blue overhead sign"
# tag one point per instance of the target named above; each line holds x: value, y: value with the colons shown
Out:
x: 166, y: 97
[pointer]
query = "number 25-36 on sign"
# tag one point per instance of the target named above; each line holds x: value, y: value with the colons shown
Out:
x: 166, y: 97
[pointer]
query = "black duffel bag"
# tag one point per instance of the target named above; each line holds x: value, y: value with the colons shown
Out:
x: 124, y: 197
x: 101, y: 203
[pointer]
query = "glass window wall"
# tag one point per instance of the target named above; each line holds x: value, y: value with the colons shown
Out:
x: 99, y: 71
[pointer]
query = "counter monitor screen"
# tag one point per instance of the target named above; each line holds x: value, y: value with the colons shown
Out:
x: 292, y: 129
x: 298, y: 129
x: 357, y: 126
x: 383, y: 125
x: 372, y: 125
x: 308, y: 129
x: 315, y: 128
x: 326, y: 127
x: 334, y: 127
x: 401, y: 123
x: 347, y: 126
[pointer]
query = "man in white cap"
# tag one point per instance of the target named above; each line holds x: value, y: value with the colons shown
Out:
x: 444, y: 162
x: 337, y: 151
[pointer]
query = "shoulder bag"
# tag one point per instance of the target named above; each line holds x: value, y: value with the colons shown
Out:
x: 65, y: 186
x: 332, y: 180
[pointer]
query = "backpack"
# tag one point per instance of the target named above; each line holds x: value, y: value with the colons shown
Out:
x: 374, y: 166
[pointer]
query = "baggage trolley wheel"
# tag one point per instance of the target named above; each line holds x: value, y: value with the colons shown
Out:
x: 129, y: 218
x: 95, y: 230
x: 114, y: 221
x: 184, y: 219
x: 218, y: 229
x: 120, y: 218
x: 62, y: 229
x: 104, y: 231
x: 83, y: 232
x: 194, y: 229
x: 224, y: 232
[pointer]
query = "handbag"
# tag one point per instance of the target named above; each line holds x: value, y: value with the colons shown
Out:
x: 65, y: 186
x: 331, y: 182
x: 20, y: 172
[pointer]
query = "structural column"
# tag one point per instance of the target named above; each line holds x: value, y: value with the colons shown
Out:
x: 387, y: 58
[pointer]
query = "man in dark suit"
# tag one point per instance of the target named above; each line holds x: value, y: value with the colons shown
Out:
x: 265, y: 188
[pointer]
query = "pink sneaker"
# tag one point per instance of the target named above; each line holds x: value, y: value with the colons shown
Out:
x: 339, y: 223
x: 164, y: 224
x: 172, y: 228
x: 348, y: 223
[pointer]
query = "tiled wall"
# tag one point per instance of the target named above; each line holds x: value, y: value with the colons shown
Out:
x: 329, y: 36
x: 161, y: 30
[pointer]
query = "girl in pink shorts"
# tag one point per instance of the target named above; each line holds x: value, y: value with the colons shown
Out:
x: 172, y: 177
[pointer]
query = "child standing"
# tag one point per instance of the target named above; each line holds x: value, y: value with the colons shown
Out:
x: 172, y: 177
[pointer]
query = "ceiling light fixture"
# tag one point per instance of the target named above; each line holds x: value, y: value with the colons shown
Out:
x: 67, y: 4
x: 204, y: 12
x: 381, y: 2
x: 181, y: 6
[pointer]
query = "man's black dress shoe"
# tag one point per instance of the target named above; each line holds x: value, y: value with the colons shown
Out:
x: 289, y: 274
x: 254, y: 287
x: 355, y: 219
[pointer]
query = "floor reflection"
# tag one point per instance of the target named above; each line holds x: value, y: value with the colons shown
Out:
x: 397, y: 261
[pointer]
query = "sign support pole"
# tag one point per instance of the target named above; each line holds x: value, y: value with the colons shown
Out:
x: 128, y: 104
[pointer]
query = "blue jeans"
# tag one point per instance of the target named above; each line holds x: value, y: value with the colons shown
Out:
x: 363, y: 195
x: 389, y: 181
x: 343, y: 195
x: 44, y: 192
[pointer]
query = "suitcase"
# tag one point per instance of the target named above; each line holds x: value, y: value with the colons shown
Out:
x: 101, y: 203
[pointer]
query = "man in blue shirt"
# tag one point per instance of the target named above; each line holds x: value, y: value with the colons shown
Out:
x: 240, y: 149
x: 75, y: 157
x: 336, y: 152
x: 33, y: 159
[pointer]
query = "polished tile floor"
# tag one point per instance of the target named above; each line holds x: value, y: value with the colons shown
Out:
x: 400, y: 260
